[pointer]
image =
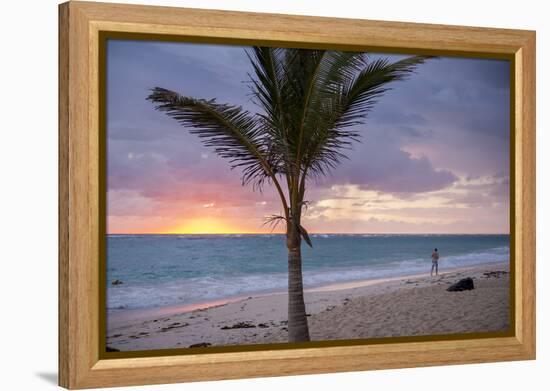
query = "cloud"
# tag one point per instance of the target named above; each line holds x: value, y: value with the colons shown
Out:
x: 470, y: 203
x: 441, y: 138
x: 405, y: 174
x: 223, y: 61
x: 379, y: 163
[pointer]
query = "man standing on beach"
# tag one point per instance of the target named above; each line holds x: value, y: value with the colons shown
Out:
x: 435, y: 259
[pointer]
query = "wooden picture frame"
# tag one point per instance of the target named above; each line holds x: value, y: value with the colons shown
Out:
x: 81, y: 28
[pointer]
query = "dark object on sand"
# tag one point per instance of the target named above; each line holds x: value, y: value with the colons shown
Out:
x: 200, y: 345
x: 240, y: 325
x: 110, y: 349
x: 175, y: 325
x: 466, y: 284
x: 117, y: 282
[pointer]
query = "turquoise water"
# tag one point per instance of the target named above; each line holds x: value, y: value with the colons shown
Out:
x: 165, y: 270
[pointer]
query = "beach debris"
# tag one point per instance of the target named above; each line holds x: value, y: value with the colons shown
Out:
x: 240, y: 325
x: 110, y: 349
x: 117, y: 282
x: 464, y: 284
x: 172, y: 326
x: 495, y: 274
x: 200, y: 345
x: 263, y: 325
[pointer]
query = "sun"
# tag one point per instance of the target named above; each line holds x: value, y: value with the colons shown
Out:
x: 204, y: 225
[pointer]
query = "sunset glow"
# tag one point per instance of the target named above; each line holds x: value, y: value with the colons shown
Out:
x: 433, y: 157
x: 206, y: 225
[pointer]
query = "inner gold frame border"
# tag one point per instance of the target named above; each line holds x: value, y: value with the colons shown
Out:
x: 83, y: 30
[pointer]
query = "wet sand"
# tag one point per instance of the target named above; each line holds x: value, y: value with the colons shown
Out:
x: 404, y: 306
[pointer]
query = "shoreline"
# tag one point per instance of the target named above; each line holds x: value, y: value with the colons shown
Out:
x: 396, y: 306
x: 119, y: 318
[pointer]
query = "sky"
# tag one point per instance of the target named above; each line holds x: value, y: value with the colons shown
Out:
x: 433, y: 155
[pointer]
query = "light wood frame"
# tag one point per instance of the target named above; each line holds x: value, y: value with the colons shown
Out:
x: 80, y: 24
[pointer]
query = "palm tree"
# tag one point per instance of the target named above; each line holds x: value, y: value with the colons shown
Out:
x: 310, y: 103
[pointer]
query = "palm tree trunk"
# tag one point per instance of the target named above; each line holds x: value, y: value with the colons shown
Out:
x: 297, y: 321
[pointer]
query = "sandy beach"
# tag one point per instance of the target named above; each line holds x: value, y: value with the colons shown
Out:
x: 405, y: 306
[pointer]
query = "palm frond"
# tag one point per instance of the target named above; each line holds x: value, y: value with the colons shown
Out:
x: 372, y: 82
x: 274, y: 221
x: 305, y: 235
x: 266, y: 88
x: 232, y: 132
x: 266, y: 83
x: 347, y: 105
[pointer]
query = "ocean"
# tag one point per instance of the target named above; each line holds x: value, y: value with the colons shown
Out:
x: 179, y: 270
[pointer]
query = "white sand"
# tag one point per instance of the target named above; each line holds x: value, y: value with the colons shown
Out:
x: 417, y: 305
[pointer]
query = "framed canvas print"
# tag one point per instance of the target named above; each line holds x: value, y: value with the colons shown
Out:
x: 248, y: 195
